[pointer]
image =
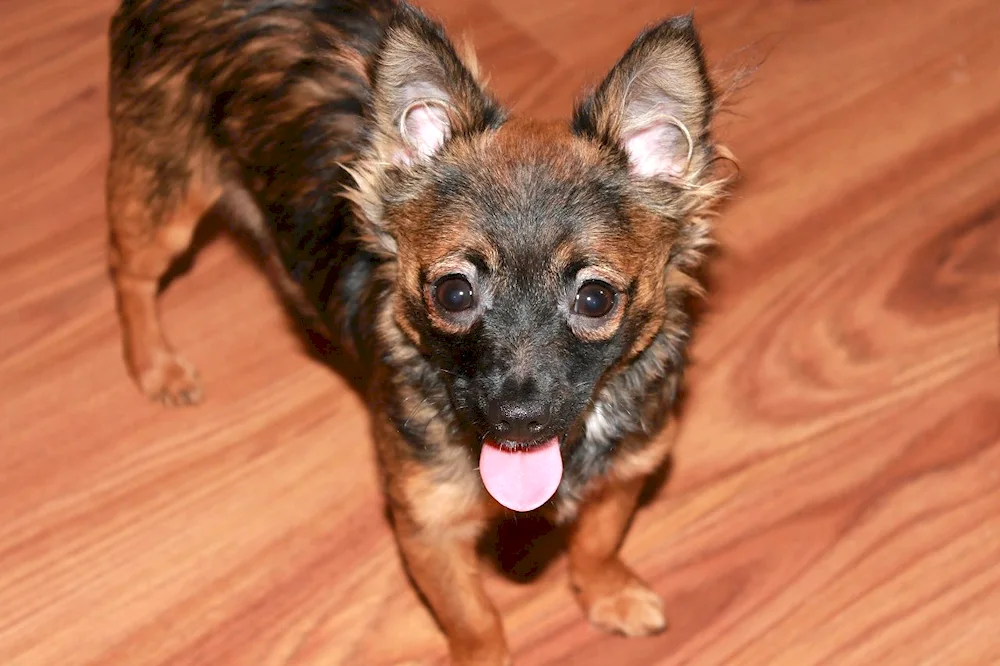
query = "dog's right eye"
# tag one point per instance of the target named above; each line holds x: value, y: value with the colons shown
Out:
x: 454, y: 293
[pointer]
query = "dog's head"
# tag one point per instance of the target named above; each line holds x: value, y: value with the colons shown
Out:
x: 533, y: 260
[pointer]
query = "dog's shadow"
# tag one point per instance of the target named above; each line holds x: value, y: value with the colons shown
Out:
x: 523, y: 547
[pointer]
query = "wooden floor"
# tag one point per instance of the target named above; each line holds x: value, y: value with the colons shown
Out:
x: 835, y: 497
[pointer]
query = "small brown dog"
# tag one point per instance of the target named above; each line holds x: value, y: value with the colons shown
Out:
x: 515, y: 292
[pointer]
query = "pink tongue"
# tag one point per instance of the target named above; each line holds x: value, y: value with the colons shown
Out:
x: 521, y: 480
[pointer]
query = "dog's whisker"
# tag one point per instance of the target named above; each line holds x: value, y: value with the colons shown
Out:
x: 415, y: 410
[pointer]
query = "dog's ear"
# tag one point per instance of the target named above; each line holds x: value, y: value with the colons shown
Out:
x: 655, y: 104
x: 423, y: 93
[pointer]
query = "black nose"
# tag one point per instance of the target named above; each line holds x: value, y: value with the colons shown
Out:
x: 518, y: 421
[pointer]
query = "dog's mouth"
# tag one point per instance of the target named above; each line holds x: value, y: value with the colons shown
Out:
x: 518, y: 477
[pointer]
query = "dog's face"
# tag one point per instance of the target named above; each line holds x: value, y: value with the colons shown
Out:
x: 532, y: 260
x: 522, y: 276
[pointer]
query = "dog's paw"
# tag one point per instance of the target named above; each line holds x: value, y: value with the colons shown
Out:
x: 632, y: 611
x: 616, y: 601
x: 170, y: 380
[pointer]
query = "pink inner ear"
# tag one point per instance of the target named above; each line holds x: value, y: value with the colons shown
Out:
x: 425, y: 129
x: 657, y: 151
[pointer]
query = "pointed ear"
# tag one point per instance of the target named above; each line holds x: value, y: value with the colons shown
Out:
x: 655, y: 104
x: 423, y: 93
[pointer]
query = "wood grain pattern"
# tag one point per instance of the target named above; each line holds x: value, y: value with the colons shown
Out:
x: 835, y: 497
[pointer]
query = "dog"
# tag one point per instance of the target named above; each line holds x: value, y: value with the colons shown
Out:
x: 516, y: 293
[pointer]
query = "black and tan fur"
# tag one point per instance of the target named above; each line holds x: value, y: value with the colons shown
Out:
x: 296, y: 115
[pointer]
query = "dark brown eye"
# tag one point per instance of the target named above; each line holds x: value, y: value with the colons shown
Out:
x: 595, y: 299
x: 454, y: 293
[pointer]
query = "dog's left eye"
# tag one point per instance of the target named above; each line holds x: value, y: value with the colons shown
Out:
x: 594, y: 299
x: 454, y: 293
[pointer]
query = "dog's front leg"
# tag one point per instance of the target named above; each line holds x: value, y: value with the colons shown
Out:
x: 439, y: 511
x: 611, y: 595
x: 443, y: 563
